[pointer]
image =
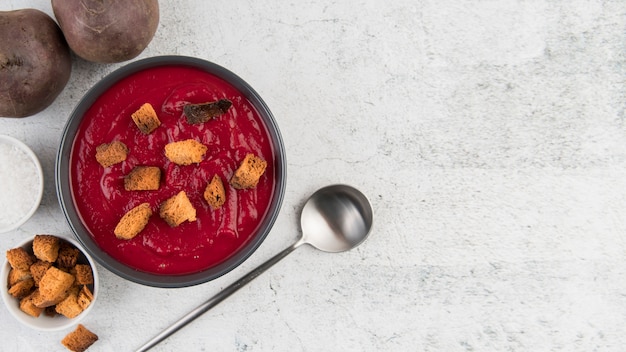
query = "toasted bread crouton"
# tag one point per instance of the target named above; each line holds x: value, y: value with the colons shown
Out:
x: 39, y: 301
x: 17, y: 275
x: 143, y: 178
x: 185, y: 152
x: 249, y: 172
x: 133, y: 222
x: 22, y: 288
x: 199, y: 113
x: 19, y: 259
x: 214, y: 193
x: 80, y: 339
x: 85, y: 296
x: 73, y: 290
x: 38, y: 269
x: 83, y: 274
x: 146, y: 119
x: 46, y: 247
x: 177, y: 210
x: 53, y: 286
x: 108, y: 154
x: 27, y: 305
x: 69, y: 306
x: 50, y: 312
x: 68, y: 256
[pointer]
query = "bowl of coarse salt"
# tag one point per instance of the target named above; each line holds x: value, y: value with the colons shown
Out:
x: 21, y: 183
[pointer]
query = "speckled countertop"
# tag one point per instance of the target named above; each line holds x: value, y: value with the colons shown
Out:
x: 490, y: 137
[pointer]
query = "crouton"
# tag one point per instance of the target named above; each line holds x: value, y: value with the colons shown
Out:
x: 38, y: 269
x: 69, y: 306
x: 83, y: 274
x: 214, y: 193
x: 40, y: 302
x: 53, y: 286
x: 177, y: 210
x: 108, y: 154
x: 249, y: 172
x: 50, y: 312
x: 85, y: 296
x: 146, y: 119
x: 143, y: 178
x: 74, y: 289
x: 28, y: 306
x: 80, y: 339
x: 22, y: 288
x: 199, y: 113
x: 133, y: 222
x: 17, y: 275
x: 19, y: 259
x: 46, y: 247
x: 185, y: 152
x: 68, y: 256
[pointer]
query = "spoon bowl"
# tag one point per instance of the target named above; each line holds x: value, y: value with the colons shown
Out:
x: 336, y: 218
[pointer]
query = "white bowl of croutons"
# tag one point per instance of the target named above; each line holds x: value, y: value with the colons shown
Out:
x: 51, y: 283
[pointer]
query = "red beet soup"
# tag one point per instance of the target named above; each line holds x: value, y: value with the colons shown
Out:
x: 99, y: 194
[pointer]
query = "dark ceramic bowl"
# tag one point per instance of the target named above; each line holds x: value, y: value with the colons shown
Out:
x: 83, y: 234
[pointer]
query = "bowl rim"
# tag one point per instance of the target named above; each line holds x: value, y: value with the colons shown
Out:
x: 40, y: 186
x: 63, y: 187
x: 54, y: 323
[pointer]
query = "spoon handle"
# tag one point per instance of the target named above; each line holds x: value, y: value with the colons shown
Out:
x: 219, y: 297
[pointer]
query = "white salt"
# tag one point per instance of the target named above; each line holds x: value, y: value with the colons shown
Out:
x: 19, y: 184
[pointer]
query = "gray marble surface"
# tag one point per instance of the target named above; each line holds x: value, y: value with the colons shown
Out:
x: 490, y: 137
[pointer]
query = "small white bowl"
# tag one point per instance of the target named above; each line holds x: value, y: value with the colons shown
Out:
x: 44, y: 322
x: 11, y: 151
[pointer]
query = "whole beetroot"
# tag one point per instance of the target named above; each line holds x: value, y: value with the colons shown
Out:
x: 107, y: 31
x: 35, y: 62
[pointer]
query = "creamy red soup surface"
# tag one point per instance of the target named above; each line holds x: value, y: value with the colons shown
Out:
x: 99, y: 193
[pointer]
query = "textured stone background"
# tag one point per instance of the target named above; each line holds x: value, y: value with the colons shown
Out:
x: 489, y: 135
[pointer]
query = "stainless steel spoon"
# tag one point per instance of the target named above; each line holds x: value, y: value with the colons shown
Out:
x: 334, y: 219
